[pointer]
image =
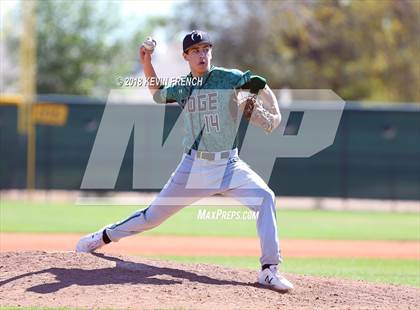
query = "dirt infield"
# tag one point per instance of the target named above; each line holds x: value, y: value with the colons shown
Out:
x: 68, y: 279
x: 217, y: 246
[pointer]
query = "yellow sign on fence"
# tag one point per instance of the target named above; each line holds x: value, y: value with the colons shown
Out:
x: 50, y: 114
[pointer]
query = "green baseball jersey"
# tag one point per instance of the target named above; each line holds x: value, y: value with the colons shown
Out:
x: 210, y: 111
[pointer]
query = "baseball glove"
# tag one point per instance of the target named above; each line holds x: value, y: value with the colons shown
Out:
x: 255, y: 113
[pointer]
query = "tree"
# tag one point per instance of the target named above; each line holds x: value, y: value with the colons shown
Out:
x: 83, y: 46
x: 363, y: 50
x: 75, y: 46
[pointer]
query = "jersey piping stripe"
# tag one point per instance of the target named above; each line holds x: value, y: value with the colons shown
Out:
x: 130, y: 218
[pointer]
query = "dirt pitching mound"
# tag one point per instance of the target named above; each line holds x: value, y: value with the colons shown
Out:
x: 67, y: 279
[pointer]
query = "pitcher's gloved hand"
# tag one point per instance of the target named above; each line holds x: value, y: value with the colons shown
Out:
x: 254, y: 112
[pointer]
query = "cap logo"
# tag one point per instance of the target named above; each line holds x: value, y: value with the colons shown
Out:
x: 195, y: 36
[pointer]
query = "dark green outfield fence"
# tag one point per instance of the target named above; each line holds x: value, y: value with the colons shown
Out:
x: 376, y: 154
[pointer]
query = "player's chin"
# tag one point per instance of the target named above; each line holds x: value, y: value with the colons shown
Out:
x: 202, y: 67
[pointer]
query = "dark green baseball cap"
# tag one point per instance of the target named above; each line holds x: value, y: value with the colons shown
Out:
x: 195, y: 37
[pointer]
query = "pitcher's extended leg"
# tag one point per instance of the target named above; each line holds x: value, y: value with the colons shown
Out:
x: 173, y: 197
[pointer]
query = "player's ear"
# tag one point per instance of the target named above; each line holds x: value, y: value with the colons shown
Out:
x: 185, y: 56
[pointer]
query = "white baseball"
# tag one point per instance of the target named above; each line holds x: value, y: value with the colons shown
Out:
x: 149, y: 44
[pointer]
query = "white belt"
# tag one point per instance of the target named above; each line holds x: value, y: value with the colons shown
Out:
x: 211, y: 155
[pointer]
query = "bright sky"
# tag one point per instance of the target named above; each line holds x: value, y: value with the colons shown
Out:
x: 146, y: 7
x: 128, y: 7
x: 132, y: 12
x: 136, y: 10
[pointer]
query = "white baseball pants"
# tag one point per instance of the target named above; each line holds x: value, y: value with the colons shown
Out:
x: 195, y: 179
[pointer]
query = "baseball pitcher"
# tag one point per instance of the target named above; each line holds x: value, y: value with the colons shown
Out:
x: 210, y: 164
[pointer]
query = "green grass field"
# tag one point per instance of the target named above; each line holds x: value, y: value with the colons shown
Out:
x: 314, y: 224
x: 406, y: 272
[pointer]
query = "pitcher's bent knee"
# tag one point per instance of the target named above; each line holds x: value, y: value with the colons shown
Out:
x: 269, y: 195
